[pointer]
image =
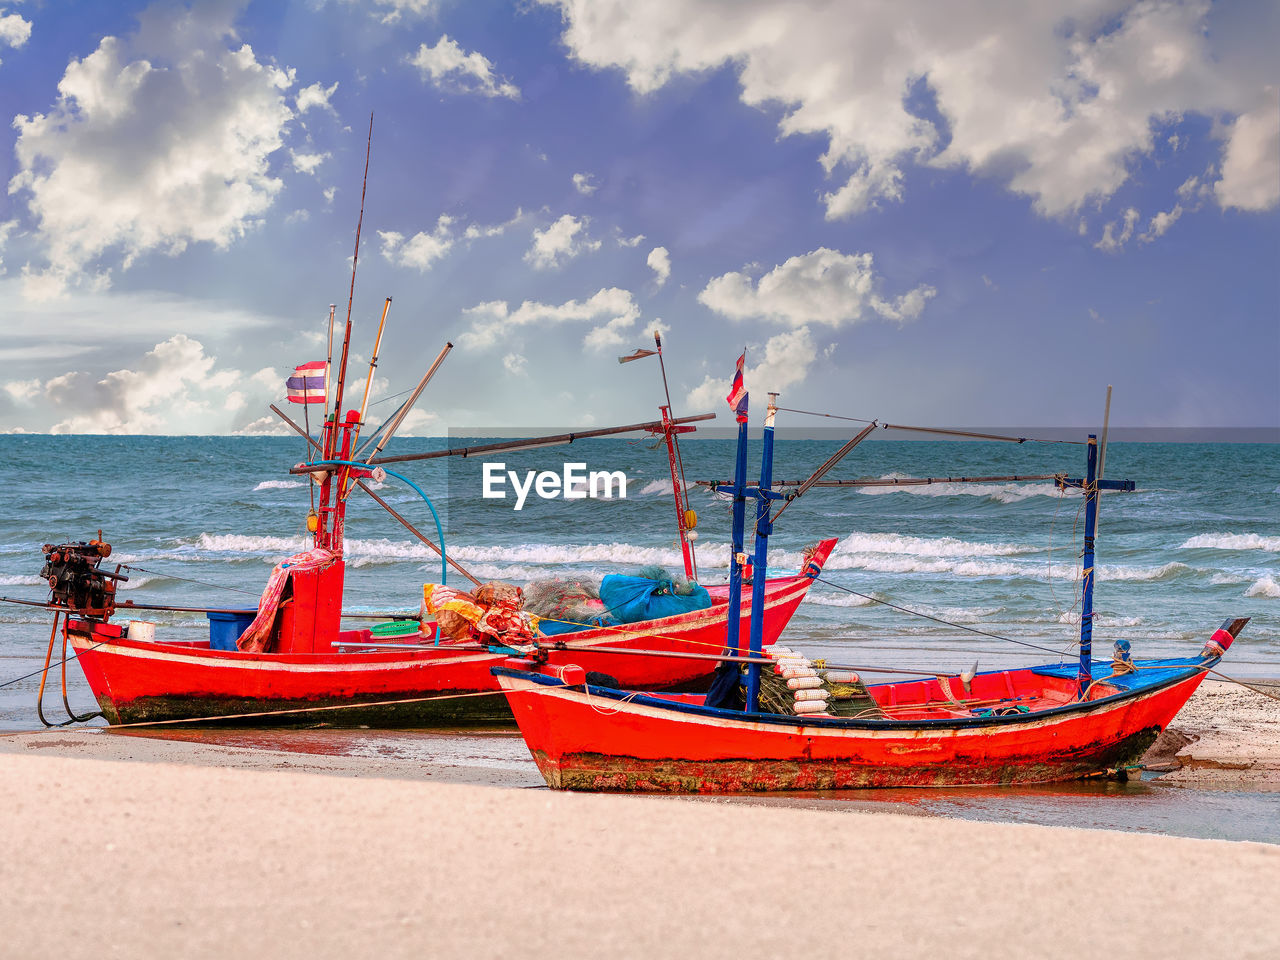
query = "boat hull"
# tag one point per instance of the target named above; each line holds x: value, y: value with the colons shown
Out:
x: 148, y: 682
x: 589, y: 739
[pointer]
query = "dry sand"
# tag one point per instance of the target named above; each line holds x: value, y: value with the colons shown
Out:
x: 128, y: 846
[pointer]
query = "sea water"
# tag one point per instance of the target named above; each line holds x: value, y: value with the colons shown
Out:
x: 199, y: 521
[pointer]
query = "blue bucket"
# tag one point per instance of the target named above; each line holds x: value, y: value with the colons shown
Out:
x: 225, y: 628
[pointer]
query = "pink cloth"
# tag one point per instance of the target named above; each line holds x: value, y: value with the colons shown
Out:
x: 258, y: 636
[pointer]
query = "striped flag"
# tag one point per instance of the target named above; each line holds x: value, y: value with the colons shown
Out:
x: 738, y: 392
x: 307, y: 385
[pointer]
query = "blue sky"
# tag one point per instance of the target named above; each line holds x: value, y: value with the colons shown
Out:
x: 962, y: 213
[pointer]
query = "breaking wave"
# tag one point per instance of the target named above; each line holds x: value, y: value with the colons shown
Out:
x: 1232, y: 541
x: 21, y: 580
x: 278, y: 485
x: 656, y: 487
x: 927, y: 547
x: 998, y: 492
x: 1264, y: 587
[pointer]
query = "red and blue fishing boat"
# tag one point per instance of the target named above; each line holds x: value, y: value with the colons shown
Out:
x: 827, y: 730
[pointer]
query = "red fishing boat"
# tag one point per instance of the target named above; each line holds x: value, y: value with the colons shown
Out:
x: 1009, y: 727
x: 782, y: 722
x: 343, y: 677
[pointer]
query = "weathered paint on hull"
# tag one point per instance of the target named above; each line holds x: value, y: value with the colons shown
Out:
x: 585, y: 742
x: 136, y: 682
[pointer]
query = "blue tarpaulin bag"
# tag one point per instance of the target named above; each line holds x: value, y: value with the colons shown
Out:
x: 631, y: 599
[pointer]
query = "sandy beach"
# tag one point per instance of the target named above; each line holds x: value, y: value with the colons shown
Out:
x: 198, y: 845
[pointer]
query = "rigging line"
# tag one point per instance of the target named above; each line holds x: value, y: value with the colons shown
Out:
x: 9, y: 683
x: 833, y: 416
x: 203, y: 583
x: 958, y: 626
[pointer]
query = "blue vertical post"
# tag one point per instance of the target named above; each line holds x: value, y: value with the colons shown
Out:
x: 760, y: 564
x: 1085, y: 674
x: 739, y: 522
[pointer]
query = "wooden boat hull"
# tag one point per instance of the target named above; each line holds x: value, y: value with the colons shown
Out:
x: 141, y: 682
x: 589, y: 738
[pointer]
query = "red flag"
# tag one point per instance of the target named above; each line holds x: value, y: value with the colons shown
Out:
x: 738, y: 392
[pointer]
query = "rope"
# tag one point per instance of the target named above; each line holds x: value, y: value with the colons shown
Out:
x: 297, y: 710
x: 203, y: 583
x: 958, y: 626
x: 34, y: 673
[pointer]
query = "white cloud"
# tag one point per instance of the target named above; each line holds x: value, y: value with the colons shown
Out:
x: 629, y: 241
x: 515, y: 363
x: 424, y: 249
x: 582, y: 182
x: 1251, y: 164
x: 308, y: 162
x: 786, y: 361
x: 313, y: 96
x: 659, y: 262
x: 560, y: 243
x: 449, y: 67
x: 175, y: 387
x: 612, y: 310
x: 823, y: 286
x: 1160, y: 223
x: 14, y: 30
x: 392, y: 10
x: 1110, y: 240
x: 1054, y: 99
x: 154, y: 142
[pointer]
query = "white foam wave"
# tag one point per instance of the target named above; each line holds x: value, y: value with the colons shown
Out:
x: 1264, y: 587
x: 21, y: 580
x: 239, y: 543
x: 999, y: 492
x: 278, y: 485
x: 890, y: 563
x: 927, y: 547
x: 1232, y: 541
x: 656, y: 487
x: 1072, y: 618
x: 839, y: 600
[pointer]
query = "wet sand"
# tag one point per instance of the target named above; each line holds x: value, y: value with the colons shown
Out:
x: 351, y: 843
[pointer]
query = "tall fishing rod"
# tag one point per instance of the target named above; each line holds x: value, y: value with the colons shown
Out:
x: 387, y: 430
x: 351, y: 296
x: 373, y: 365
x: 818, y: 474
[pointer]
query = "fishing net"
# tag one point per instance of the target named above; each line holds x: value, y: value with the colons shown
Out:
x: 796, y: 685
x: 565, y: 604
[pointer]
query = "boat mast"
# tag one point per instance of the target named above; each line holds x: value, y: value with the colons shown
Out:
x: 1085, y: 674
x: 738, y: 559
x: 685, y: 518
x: 760, y: 565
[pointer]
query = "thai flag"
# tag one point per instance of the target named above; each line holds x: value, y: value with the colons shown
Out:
x: 738, y: 393
x: 307, y: 385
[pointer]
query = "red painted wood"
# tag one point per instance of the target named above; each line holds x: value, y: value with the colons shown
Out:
x: 587, y: 742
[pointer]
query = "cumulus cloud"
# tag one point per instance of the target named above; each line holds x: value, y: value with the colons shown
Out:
x: 175, y: 387
x: 315, y: 96
x: 823, y: 287
x: 515, y: 363
x: 1055, y: 100
x: 1160, y: 223
x: 449, y: 67
x: 14, y: 30
x: 786, y: 361
x: 628, y: 241
x: 155, y: 141
x: 612, y: 312
x: 659, y: 262
x: 560, y: 243
x: 582, y: 182
x: 423, y: 249
x: 1251, y: 163
x: 308, y: 162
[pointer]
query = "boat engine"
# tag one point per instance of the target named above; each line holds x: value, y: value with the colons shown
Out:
x: 77, y: 581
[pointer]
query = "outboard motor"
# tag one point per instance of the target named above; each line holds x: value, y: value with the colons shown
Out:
x: 77, y: 582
